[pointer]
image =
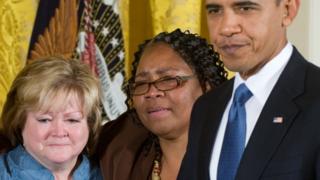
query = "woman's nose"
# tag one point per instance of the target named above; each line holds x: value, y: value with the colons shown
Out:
x: 58, y: 128
x: 153, y: 92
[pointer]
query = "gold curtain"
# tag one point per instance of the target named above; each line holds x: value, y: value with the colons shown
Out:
x: 142, y: 19
x: 16, y: 23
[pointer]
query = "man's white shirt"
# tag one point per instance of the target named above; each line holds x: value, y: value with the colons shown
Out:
x: 261, y: 85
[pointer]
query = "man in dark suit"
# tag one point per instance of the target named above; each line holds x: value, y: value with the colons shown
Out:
x: 273, y: 133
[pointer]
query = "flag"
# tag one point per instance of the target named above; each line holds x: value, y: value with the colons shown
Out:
x: 101, y: 46
x: 55, y: 29
x: 97, y: 42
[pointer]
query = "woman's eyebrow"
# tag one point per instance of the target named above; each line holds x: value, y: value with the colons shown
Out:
x: 159, y: 71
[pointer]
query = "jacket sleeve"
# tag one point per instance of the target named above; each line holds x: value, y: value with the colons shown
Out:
x: 188, y: 169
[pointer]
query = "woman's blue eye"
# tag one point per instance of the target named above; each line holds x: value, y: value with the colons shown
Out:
x: 73, y: 120
x: 44, y: 120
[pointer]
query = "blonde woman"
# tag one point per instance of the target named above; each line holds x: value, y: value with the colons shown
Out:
x: 51, y: 118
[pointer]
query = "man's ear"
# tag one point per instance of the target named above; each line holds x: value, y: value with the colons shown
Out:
x: 291, y: 11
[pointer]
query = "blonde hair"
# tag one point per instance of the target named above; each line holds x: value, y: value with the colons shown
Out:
x: 37, y: 86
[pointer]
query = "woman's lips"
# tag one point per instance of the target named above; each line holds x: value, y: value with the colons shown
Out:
x: 158, y: 111
x: 58, y: 144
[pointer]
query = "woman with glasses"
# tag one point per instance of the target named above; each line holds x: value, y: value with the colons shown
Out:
x: 169, y: 73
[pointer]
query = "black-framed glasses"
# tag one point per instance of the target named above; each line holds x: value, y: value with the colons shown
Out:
x: 162, y: 84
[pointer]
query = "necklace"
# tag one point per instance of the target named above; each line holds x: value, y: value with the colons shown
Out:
x: 156, y: 170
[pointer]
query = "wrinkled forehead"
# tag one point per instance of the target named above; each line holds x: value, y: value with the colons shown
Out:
x: 161, y: 59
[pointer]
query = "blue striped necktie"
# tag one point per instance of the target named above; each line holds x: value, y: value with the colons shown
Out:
x: 235, y: 135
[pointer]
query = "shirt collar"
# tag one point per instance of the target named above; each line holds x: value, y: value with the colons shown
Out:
x: 262, y: 83
x: 25, y: 162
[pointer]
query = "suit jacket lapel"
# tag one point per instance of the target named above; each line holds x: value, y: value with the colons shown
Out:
x: 215, y: 106
x: 267, y: 135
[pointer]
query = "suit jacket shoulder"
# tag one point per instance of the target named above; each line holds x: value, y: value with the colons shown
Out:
x: 205, y: 119
x: 274, y: 149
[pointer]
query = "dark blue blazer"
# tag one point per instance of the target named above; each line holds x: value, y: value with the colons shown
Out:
x: 275, y: 151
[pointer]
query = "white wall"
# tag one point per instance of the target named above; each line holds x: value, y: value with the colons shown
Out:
x: 314, y: 26
x: 304, y: 33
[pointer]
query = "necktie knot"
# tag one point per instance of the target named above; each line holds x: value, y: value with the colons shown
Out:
x: 242, y: 94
